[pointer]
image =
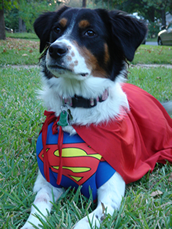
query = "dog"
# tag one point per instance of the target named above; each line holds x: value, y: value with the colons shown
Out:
x: 93, y: 115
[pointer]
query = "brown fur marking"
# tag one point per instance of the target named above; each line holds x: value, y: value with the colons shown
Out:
x: 75, y: 62
x: 69, y: 47
x: 69, y: 58
x: 83, y: 24
x: 106, y: 57
x: 91, y: 60
x: 72, y: 66
x: 63, y: 22
x: 72, y: 53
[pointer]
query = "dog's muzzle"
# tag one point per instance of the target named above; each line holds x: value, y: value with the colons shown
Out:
x: 63, y: 57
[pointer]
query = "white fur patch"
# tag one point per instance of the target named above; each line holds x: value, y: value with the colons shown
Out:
x: 56, y: 88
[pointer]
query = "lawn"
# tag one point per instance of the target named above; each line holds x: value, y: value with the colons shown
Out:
x: 147, y: 203
x: 28, y: 36
x: 18, y: 52
x: 147, y: 54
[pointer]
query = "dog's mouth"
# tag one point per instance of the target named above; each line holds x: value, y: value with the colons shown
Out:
x: 57, y: 69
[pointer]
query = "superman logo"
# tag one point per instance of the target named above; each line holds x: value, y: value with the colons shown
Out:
x: 79, y: 161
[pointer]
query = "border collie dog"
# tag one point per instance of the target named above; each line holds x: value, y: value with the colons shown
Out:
x: 96, y: 131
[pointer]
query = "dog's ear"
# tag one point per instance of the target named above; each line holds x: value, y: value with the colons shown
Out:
x: 43, y: 25
x: 128, y: 32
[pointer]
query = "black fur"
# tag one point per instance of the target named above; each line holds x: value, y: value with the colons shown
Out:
x: 44, y: 24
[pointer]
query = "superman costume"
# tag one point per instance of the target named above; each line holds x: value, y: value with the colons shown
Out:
x: 131, y: 145
x: 81, y: 164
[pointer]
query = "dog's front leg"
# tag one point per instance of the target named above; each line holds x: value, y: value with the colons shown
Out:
x: 109, y: 199
x: 46, y: 193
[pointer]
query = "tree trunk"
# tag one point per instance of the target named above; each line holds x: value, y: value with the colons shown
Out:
x: 84, y: 3
x: 151, y: 14
x: 22, y: 27
x: 163, y: 17
x: 2, y: 22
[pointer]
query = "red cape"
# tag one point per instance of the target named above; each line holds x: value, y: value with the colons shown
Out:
x: 133, y: 145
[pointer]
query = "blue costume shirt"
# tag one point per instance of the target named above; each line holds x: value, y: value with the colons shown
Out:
x: 81, y: 165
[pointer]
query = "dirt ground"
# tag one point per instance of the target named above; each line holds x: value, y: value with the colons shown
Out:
x: 131, y: 66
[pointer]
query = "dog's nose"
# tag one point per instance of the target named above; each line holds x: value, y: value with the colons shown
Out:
x: 57, y: 50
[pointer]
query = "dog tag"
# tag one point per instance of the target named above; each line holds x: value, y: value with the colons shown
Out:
x: 63, y: 121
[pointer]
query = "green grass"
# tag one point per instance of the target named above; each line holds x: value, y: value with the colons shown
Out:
x: 18, y: 132
x: 156, y: 81
x: 18, y: 52
x: 29, y: 36
x: 21, y: 117
x: 147, y: 54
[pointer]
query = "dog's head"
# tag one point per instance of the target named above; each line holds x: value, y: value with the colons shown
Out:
x: 85, y: 43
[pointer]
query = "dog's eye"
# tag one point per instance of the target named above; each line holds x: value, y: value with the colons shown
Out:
x: 57, y: 30
x: 89, y: 33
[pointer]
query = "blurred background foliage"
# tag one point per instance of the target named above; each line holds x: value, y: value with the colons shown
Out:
x: 19, y: 15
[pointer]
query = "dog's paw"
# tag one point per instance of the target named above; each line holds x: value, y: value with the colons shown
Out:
x: 27, y: 226
x: 31, y: 220
x: 85, y: 223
